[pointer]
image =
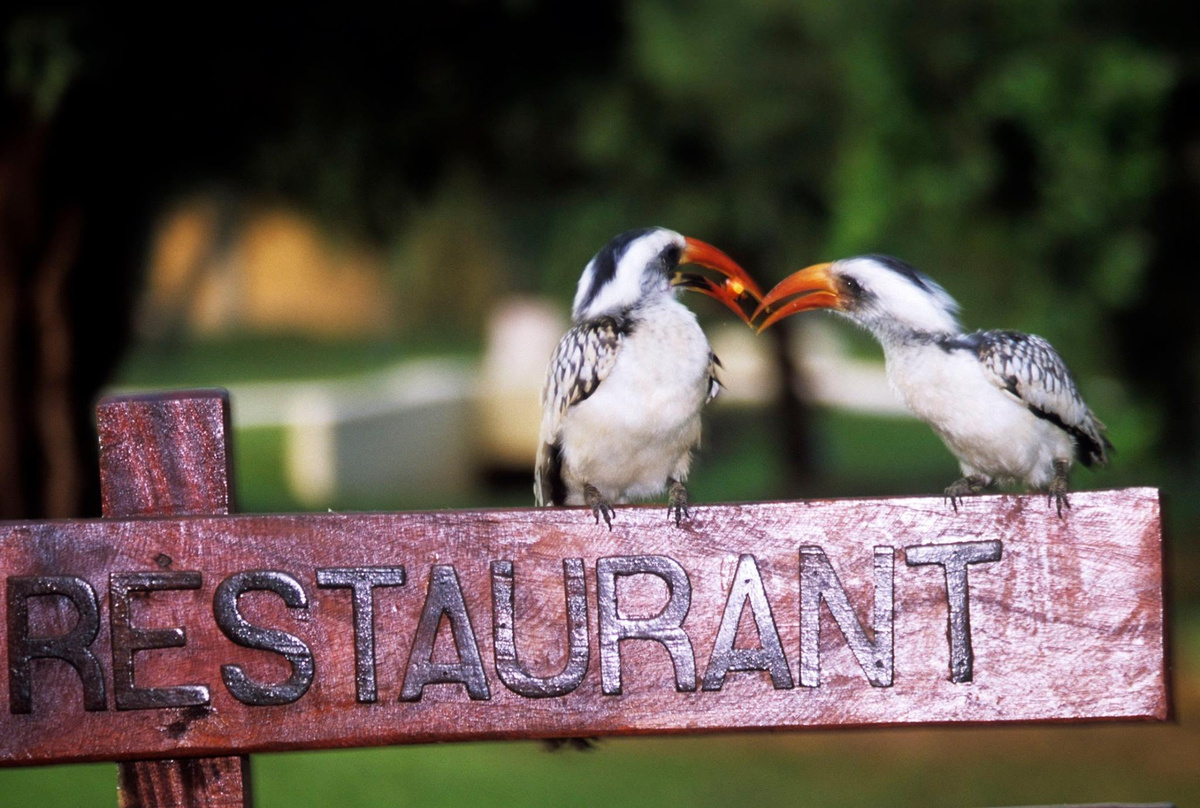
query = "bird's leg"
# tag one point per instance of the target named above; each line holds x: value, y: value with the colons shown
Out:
x: 1058, y: 488
x: 582, y: 744
x: 967, y: 486
x: 677, y: 502
x: 599, y: 505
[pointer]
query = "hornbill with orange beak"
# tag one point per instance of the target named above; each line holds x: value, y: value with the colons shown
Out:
x: 1003, y: 402
x: 623, y: 393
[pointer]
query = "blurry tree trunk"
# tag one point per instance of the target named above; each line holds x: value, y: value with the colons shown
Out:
x: 1160, y: 334
x: 791, y: 416
x: 51, y: 363
x: 22, y: 241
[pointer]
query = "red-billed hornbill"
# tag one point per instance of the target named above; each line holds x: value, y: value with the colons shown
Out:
x: 1003, y: 402
x: 623, y: 393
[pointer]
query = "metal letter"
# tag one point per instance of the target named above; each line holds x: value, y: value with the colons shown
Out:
x: 444, y: 598
x: 71, y: 647
x: 247, y: 635
x: 128, y: 640
x: 747, y: 587
x: 954, y: 558
x: 508, y: 666
x: 362, y: 581
x: 819, y: 581
x: 666, y: 627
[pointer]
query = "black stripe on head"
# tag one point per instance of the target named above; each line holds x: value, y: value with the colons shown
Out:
x: 604, y: 264
x: 904, y: 268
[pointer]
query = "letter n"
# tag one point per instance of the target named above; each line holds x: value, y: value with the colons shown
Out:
x: 819, y: 582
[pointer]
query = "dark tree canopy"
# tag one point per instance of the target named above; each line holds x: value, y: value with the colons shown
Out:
x: 1035, y: 157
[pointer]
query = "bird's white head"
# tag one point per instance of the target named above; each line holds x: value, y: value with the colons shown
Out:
x: 640, y: 267
x: 884, y: 295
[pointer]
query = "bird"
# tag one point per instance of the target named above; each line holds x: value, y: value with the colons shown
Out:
x: 625, y: 386
x: 1004, y: 402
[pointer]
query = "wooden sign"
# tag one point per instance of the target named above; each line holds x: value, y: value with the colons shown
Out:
x: 175, y: 636
x: 201, y: 635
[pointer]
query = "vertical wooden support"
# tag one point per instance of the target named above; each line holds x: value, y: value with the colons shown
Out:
x: 166, y: 455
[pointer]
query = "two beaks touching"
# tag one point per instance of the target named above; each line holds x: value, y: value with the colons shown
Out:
x: 810, y: 288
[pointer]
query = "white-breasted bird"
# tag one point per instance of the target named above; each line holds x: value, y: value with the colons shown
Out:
x: 1003, y: 402
x: 624, y: 389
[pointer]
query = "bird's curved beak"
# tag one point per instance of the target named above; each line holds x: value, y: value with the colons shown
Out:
x: 737, y: 283
x: 816, y: 288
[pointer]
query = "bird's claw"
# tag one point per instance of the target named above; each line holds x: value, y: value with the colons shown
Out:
x: 951, y: 499
x: 599, y: 505
x: 580, y: 744
x: 679, y: 512
x: 1060, y: 500
x: 677, y: 503
x: 1057, y: 495
x: 602, y: 508
x: 959, y: 490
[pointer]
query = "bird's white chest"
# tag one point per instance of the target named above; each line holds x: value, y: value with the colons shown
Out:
x: 989, y: 431
x: 939, y: 386
x: 640, y: 425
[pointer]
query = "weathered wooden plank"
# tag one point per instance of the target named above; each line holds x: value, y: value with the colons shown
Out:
x: 1065, y: 623
x: 170, y: 455
x: 165, y: 454
x: 204, y: 782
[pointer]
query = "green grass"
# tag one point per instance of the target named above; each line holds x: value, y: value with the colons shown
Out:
x: 260, y: 481
x: 229, y: 360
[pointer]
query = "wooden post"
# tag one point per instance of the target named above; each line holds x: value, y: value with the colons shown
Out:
x: 169, y: 455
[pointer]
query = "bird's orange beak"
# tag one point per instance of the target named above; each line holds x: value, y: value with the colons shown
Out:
x: 816, y: 288
x: 737, y: 285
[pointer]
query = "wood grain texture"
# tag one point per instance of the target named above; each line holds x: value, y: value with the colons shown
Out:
x: 165, y: 454
x: 1066, y: 626
x: 221, y: 782
x: 170, y: 455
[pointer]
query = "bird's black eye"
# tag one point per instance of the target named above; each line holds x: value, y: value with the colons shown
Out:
x: 851, y: 288
x: 670, y: 256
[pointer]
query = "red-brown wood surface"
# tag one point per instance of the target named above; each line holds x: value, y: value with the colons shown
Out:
x: 165, y: 455
x: 169, y: 455
x: 1066, y: 626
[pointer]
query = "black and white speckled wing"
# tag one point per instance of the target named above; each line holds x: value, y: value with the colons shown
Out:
x: 584, y: 357
x: 1029, y: 369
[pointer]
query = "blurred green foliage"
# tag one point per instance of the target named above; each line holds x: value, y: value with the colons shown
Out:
x: 930, y: 768
x: 1013, y: 149
x: 1028, y: 154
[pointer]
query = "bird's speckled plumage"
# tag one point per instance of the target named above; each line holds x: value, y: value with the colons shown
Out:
x: 624, y: 389
x: 584, y: 357
x: 1003, y: 402
x: 1028, y: 368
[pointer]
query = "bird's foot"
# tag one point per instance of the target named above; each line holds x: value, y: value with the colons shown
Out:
x: 1057, y: 495
x: 599, y: 505
x: 580, y: 744
x: 677, y: 502
x: 965, y: 487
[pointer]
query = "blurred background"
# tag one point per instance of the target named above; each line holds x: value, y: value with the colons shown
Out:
x: 369, y: 226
